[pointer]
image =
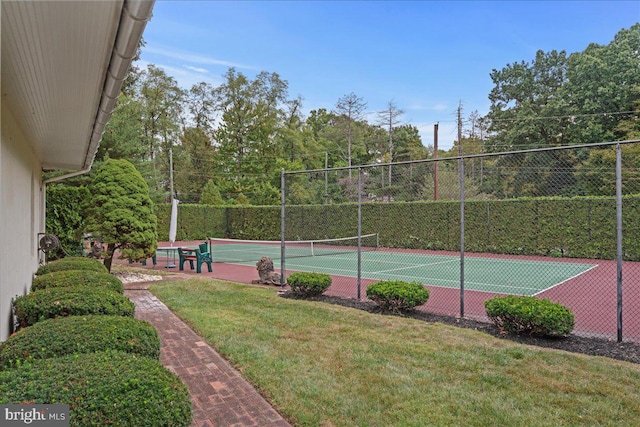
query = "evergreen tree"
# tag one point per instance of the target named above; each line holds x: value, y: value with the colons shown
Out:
x: 121, y: 212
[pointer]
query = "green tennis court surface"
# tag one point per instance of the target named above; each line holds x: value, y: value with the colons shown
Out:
x: 500, y: 275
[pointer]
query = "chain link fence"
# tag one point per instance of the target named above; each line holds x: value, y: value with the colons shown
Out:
x: 558, y: 223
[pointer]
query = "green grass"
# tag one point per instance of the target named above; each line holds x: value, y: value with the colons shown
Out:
x: 326, y: 365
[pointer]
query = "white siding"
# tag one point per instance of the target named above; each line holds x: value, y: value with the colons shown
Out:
x: 21, y: 215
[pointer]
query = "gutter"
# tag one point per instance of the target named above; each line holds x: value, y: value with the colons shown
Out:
x: 133, y: 19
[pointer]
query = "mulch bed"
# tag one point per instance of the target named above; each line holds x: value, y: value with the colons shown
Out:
x: 626, y: 351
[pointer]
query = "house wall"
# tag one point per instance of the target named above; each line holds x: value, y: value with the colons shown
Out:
x: 21, y: 215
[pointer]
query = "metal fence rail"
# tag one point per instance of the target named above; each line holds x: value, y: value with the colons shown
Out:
x: 560, y: 223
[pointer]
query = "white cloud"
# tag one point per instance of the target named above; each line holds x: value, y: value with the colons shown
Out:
x: 191, y: 57
x: 196, y: 69
x: 186, y: 78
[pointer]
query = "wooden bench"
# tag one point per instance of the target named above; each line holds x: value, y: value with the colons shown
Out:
x: 191, y: 255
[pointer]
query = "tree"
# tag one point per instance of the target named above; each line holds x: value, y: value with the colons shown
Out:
x: 350, y: 108
x: 251, y: 116
x: 525, y: 101
x: 121, y: 212
x: 201, y: 104
x: 211, y: 194
x: 161, y: 115
x: 603, y: 88
x: 124, y: 134
x: 389, y: 118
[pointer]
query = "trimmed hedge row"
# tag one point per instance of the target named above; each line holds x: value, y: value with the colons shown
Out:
x: 70, y: 301
x: 77, y: 278
x: 530, y: 316
x: 579, y: 227
x: 72, y: 263
x: 103, y: 388
x: 80, y: 334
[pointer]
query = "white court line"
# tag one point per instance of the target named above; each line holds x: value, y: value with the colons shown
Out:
x: 564, y: 281
x: 412, y: 266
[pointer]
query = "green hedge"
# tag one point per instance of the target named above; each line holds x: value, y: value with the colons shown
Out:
x: 530, y: 316
x: 80, y: 334
x: 578, y: 227
x: 72, y: 263
x: 396, y: 295
x: 62, y: 302
x: 77, y: 278
x: 103, y: 388
x: 308, y: 284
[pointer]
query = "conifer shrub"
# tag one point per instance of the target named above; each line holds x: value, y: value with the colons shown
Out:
x: 61, y: 302
x: 396, y: 295
x: 80, y: 334
x: 77, y: 278
x: 530, y: 316
x: 72, y: 263
x: 102, y: 388
x: 308, y: 284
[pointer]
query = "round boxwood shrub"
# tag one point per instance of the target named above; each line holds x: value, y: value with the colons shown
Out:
x: 103, y: 388
x: 529, y: 315
x: 72, y: 263
x: 77, y: 278
x: 396, y: 295
x: 308, y: 284
x: 61, y: 302
x: 80, y: 334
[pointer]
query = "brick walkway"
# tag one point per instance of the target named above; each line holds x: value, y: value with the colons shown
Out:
x: 219, y: 394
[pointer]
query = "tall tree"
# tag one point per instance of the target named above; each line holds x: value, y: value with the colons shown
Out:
x: 603, y: 88
x: 162, y: 102
x: 201, y: 104
x: 390, y: 118
x: 350, y: 109
x: 251, y: 116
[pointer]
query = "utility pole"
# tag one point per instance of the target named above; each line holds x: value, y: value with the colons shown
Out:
x: 171, y: 173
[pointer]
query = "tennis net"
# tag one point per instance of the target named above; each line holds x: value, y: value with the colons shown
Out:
x: 235, y: 250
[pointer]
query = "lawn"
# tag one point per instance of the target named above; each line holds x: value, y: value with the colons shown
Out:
x: 327, y: 365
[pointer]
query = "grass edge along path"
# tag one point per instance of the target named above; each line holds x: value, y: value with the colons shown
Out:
x: 321, y: 364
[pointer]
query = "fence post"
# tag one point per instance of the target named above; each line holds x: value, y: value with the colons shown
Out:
x: 619, y: 236
x: 359, y: 231
x: 461, y: 169
x: 282, y: 225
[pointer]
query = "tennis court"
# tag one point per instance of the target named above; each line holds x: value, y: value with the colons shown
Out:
x: 485, y: 274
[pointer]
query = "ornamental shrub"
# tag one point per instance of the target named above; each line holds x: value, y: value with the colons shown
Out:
x: 80, y: 334
x: 397, y: 295
x: 308, y: 284
x: 62, y: 302
x: 530, y: 316
x: 72, y: 263
x: 77, y: 278
x: 103, y: 388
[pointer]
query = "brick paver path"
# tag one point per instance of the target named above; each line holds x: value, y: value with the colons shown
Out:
x: 219, y: 394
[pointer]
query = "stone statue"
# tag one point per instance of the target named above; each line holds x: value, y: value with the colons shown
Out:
x: 266, y: 272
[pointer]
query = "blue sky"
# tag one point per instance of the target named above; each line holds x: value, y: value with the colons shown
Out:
x: 426, y: 56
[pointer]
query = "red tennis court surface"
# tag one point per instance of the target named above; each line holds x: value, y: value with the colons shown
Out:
x: 592, y: 296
